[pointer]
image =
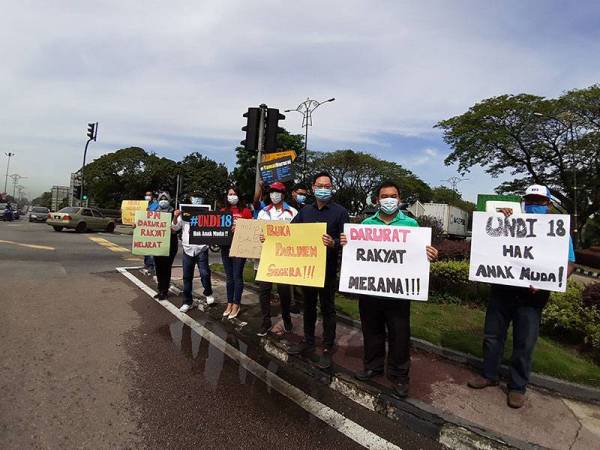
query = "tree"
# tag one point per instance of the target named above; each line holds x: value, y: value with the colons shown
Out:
x: 356, y: 175
x: 555, y: 142
x: 44, y: 200
x: 442, y: 194
x: 204, y: 175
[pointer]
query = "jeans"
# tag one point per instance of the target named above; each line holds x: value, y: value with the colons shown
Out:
x: 163, y: 265
x: 326, y: 296
x: 381, y: 319
x: 264, y: 295
x: 148, y: 261
x: 200, y: 260
x: 234, y: 270
x: 524, y: 309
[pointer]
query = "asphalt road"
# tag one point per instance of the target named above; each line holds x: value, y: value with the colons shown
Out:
x: 88, y: 360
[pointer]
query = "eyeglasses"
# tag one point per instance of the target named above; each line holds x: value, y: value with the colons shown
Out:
x: 323, y: 186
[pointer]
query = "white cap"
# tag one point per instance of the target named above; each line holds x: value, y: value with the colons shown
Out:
x: 539, y: 190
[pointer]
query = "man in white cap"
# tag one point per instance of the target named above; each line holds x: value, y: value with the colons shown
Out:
x: 521, y: 306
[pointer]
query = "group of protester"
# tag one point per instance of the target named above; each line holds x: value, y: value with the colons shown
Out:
x: 382, y: 319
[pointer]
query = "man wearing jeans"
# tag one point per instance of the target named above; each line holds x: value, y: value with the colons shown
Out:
x: 193, y: 255
x: 521, y: 306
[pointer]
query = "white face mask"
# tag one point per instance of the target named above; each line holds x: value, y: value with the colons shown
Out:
x: 233, y: 199
x: 389, y: 205
x: 163, y: 203
x: 195, y: 200
x: 148, y: 198
x: 276, y: 197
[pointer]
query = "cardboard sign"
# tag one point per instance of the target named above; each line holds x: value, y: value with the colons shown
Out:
x: 520, y: 250
x: 271, y: 156
x: 385, y: 261
x: 207, y: 227
x: 128, y: 209
x: 246, y: 239
x: 152, y: 233
x: 293, y: 254
x: 277, y: 170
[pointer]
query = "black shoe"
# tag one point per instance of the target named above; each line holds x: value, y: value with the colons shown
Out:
x: 325, y: 361
x: 264, y: 330
x: 162, y: 296
x: 301, y: 348
x: 288, y: 326
x: 156, y: 295
x: 367, y: 374
x: 401, y: 390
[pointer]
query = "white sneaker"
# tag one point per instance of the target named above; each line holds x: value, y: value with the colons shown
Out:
x: 185, y: 307
x: 210, y: 299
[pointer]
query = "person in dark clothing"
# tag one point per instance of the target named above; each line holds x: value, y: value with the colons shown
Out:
x: 299, y: 193
x: 335, y: 216
x: 152, y: 206
x: 163, y: 264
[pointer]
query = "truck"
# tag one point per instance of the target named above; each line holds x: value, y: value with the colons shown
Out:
x: 455, y: 221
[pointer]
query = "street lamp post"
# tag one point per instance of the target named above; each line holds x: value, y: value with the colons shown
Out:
x: 10, y: 155
x: 306, y: 108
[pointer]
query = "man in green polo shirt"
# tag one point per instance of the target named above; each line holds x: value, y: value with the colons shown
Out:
x: 382, y: 317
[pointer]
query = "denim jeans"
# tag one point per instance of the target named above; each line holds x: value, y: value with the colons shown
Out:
x: 234, y: 270
x: 524, y: 309
x: 189, y: 262
x: 148, y: 261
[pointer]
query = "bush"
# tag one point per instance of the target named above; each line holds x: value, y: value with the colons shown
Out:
x: 453, y: 250
x: 591, y: 296
x: 449, y: 281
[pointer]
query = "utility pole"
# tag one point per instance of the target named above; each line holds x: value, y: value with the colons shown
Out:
x: 454, y: 181
x: 15, y: 178
x: 92, y: 134
x: 10, y: 155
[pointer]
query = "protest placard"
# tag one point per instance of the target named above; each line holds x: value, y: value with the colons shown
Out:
x: 277, y: 170
x: 293, y: 254
x: 520, y: 250
x: 246, y: 239
x: 385, y: 261
x: 152, y: 233
x: 128, y: 209
x: 207, y: 227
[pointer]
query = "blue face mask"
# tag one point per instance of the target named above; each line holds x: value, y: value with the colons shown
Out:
x: 323, y: 194
x: 301, y: 199
x: 537, y: 209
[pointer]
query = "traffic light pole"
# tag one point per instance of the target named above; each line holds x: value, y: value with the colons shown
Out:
x: 82, y: 167
x: 261, y: 140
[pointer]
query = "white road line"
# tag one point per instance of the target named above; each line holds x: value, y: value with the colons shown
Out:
x: 331, y: 417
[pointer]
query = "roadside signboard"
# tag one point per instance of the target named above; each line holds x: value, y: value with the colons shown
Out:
x: 128, y: 209
x: 152, y: 233
x: 207, y: 227
x: 271, y: 156
x: 277, y: 170
x: 386, y: 261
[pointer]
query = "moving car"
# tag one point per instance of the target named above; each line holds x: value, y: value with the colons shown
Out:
x: 6, y: 213
x: 38, y: 214
x: 80, y: 219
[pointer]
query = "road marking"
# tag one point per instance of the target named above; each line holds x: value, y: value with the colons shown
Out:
x: 331, y: 417
x: 109, y: 245
x: 20, y: 244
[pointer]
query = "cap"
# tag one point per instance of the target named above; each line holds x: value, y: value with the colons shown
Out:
x: 277, y: 186
x: 539, y: 190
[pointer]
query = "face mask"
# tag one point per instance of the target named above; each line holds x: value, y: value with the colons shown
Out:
x: 323, y: 194
x: 300, y: 198
x: 276, y: 197
x: 537, y: 209
x: 389, y: 205
x: 148, y: 198
x: 163, y: 203
x: 195, y: 200
x: 233, y: 199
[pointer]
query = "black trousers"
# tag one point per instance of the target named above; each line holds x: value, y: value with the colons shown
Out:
x: 163, y: 265
x: 383, y: 318
x: 326, y: 296
x: 264, y: 295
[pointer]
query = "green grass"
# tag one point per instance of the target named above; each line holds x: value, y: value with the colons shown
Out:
x: 460, y: 327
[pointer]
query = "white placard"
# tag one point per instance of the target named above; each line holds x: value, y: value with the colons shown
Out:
x: 520, y: 250
x: 386, y: 261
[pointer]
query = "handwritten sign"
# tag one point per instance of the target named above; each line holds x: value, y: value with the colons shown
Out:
x: 207, y: 227
x: 386, y: 261
x: 128, y: 209
x: 520, y: 250
x: 246, y: 239
x: 152, y: 233
x: 293, y: 254
x: 277, y: 170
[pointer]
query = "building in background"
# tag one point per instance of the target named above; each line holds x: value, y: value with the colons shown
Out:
x: 59, y: 194
x: 75, y: 189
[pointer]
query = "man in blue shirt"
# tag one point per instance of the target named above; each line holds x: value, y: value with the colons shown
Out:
x: 521, y: 306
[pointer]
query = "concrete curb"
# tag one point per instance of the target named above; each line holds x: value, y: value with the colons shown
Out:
x: 587, y: 273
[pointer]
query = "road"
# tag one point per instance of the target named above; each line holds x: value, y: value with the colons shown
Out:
x: 89, y: 360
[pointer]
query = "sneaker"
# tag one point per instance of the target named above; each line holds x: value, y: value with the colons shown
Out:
x: 210, y: 299
x: 186, y: 307
x: 367, y: 374
x: 481, y: 383
x: 324, y: 361
x: 288, y: 325
x: 302, y: 347
x: 401, y: 390
x: 515, y: 399
x: 264, y: 330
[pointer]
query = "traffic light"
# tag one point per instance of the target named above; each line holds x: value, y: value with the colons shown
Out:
x: 272, y: 130
x: 251, y: 129
x: 92, y: 131
x: 76, y: 191
x: 85, y: 197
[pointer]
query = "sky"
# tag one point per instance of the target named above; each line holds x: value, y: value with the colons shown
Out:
x: 175, y: 77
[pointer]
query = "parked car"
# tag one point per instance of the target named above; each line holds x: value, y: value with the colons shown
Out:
x: 38, y: 214
x: 80, y: 219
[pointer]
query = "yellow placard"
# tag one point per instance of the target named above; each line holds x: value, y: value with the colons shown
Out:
x: 128, y: 209
x: 293, y: 254
x: 266, y: 157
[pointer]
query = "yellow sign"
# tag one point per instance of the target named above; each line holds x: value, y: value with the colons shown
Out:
x: 293, y: 254
x: 266, y: 157
x: 128, y: 209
